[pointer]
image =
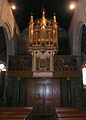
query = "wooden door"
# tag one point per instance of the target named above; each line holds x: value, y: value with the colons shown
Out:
x: 43, y: 99
x: 48, y: 99
x: 38, y: 99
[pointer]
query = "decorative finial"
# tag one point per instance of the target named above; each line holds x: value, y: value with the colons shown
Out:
x: 31, y: 18
x: 43, y: 12
x: 54, y: 18
x: 43, y: 23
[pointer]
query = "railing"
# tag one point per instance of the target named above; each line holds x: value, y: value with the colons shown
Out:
x: 64, y: 66
x: 65, y: 63
x: 20, y: 63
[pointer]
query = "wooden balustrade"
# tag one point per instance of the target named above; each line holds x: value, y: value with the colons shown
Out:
x: 65, y: 63
x: 20, y: 63
x: 65, y: 68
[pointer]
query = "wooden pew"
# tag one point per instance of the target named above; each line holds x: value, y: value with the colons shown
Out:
x: 18, y: 116
x: 62, y: 109
x: 81, y: 118
x: 66, y: 113
x: 11, y: 119
x: 13, y: 113
x: 15, y: 109
x: 71, y: 114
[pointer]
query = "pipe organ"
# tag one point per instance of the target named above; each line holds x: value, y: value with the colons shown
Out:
x: 43, y: 43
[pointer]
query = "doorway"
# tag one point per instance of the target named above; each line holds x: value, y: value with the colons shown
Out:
x: 3, y: 60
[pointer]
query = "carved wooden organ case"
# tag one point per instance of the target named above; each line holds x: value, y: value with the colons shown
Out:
x: 43, y: 43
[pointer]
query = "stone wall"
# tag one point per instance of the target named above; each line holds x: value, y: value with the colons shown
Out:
x: 78, y: 19
x: 13, y: 38
x: 75, y: 34
x: 9, y: 25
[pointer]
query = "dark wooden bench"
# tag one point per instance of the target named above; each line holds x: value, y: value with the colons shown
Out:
x: 81, y: 118
x: 18, y: 116
x: 71, y: 114
x: 58, y: 109
x: 65, y: 113
x: 15, y: 113
x: 11, y: 119
x: 19, y: 109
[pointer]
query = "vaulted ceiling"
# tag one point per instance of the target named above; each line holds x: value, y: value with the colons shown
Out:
x: 25, y: 7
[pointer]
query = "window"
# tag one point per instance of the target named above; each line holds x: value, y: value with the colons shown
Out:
x: 2, y: 66
x: 84, y: 74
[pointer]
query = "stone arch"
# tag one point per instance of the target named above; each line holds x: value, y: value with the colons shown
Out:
x: 9, y: 38
x: 77, y: 44
x: 8, y: 30
x: 3, y: 47
x: 78, y: 35
x: 83, y: 44
x: 84, y: 73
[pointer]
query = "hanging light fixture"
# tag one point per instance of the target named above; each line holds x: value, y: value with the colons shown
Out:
x: 13, y: 5
x: 72, y: 4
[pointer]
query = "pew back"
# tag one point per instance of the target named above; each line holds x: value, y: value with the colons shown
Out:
x: 15, y: 113
x: 69, y: 113
x: 81, y: 118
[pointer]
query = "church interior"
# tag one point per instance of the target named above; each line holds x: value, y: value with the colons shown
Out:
x: 42, y: 60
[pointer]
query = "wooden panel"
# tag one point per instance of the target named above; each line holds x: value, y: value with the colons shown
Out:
x: 57, y: 92
x: 38, y: 98
x: 42, y: 93
x: 48, y: 99
x: 72, y: 92
x: 64, y: 100
x: 30, y: 92
x: 23, y: 92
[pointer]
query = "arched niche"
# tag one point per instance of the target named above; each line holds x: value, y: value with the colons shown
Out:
x: 77, y: 45
x: 84, y: 74
x: 83, y: 44
x: 7, y: 42
x: 83, y: 54
x: 3, y: 46
x: 3, y: 60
